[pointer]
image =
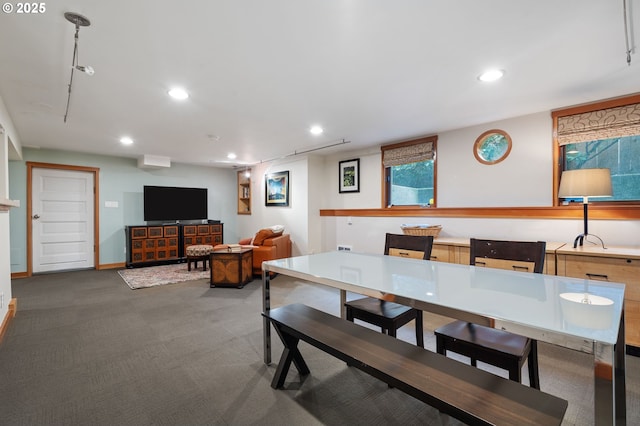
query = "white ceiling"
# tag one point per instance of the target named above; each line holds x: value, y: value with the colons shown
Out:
x: 260, y: 73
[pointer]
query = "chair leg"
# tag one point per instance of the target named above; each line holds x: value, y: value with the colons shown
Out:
x: 419, y: 330
x: 441, y: 348
x: 349, y: 314
x: 532, y: 361
x: 515, y: 373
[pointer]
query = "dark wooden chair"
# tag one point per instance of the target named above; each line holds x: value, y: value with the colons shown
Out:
x: 496, y: 347
x: 391, y: 316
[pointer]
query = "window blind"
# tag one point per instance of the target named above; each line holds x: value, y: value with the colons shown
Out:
x: 406, y: 154
x: 600, y: 124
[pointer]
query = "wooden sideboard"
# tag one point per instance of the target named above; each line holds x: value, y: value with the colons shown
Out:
x: 155, y: 244
x: 152, y: 243
x: 456, y: 250
x: 616, y: 264
x: 201, y: 234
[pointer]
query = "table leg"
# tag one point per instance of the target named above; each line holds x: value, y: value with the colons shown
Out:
x: 609, y: 373
x: 343, y: 300
x: 266, y: 324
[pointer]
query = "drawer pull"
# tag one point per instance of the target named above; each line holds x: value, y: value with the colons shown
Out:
x: 433, y: 257
x: 601, y: 277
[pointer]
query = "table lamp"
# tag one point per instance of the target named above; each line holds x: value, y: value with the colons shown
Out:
x: 585, y: 183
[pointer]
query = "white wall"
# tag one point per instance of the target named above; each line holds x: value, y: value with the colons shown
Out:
x: 5, y: 260
x: 294, y: 217
x: 524, y: 179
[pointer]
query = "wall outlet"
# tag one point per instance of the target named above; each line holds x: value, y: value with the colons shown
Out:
x: 342, y: 247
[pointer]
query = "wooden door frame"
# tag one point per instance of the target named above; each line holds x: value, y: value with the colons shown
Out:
x: 96, y: 204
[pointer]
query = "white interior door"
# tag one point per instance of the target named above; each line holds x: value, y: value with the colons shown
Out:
x: 62, y: 219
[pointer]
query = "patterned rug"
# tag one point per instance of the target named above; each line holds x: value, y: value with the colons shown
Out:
x: 161, y: 275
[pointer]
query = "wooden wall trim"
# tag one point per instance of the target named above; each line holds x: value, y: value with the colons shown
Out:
x: 13, y: 307
x: 560, y: 212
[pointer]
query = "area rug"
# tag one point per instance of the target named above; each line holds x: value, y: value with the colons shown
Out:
x: 161, y: 275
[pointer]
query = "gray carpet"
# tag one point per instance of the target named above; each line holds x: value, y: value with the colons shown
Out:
x: 85, y: 349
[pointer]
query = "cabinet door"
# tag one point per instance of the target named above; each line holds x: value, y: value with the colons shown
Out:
x: 440, y: 252
x: 621, y: 270
x: 171, y: 231
x: 138, y: 232
x: 156, y: 232
x: 613, y: 269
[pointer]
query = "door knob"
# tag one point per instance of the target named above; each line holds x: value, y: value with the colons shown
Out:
x: 36, y: 216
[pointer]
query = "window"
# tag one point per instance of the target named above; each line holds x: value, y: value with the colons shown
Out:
x: 604, y: 135
x: 410, y: 173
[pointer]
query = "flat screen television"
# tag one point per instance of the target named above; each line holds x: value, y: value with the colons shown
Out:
x: 169, y: 203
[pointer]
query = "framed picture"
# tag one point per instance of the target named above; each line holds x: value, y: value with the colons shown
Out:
x: 349, y: 179
x: 277, y: 189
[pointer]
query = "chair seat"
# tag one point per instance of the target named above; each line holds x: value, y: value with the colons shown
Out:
x: 486, y: 337
x: 388, y: 316
x: 379, y: 307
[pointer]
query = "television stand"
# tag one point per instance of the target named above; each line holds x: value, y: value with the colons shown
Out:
x: 149, y: 245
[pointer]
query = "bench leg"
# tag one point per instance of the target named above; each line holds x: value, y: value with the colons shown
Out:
x: 290, y: 353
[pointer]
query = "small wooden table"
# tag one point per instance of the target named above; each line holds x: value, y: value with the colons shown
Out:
x: 231, y: 268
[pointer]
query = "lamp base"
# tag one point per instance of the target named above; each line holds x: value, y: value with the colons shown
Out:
x: 580, y: 239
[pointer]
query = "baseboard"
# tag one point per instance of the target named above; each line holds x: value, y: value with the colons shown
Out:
x: 15, y: 275
x: 111, y: 266
x: 13, y: 307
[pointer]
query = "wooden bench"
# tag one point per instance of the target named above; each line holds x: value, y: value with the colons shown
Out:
x: 467, y: 393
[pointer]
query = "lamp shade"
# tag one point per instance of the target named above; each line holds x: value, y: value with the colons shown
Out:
x: 585, y: 183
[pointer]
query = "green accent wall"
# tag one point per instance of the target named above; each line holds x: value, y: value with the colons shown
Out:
x: 121, y: 181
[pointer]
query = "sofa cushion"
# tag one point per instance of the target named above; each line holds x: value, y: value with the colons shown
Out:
x: 264, y: 234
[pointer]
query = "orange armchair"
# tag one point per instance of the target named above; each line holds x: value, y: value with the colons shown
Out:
x: 275, y: 247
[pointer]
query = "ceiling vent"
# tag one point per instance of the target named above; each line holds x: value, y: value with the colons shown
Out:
x: 153, y: 162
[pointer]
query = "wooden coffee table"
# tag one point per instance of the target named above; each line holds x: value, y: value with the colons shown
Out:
x: 231, y: 268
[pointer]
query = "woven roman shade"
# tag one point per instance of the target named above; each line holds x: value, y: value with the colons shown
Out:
x: 600, y: 124
x: 407, y: 154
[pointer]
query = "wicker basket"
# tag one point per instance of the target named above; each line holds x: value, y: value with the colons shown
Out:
x: 422, y: 230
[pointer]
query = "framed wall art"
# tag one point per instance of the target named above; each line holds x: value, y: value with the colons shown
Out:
x: 349, y: 176
x: 277, y: 189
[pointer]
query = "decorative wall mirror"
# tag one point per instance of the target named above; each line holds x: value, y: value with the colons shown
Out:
x: 492, y: 146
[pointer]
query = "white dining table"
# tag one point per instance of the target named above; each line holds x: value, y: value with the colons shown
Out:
x: 579, y: 314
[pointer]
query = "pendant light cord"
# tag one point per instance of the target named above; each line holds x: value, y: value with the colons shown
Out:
x: 626, y: 31
x: 73, y: 65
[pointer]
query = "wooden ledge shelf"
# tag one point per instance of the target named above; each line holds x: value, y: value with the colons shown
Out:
x: 6, y: 204
x: 573, y: 211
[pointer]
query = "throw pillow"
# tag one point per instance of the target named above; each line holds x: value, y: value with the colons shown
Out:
x: 264, y: 234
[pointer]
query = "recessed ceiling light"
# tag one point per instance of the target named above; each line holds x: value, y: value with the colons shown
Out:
x: 491, y: 75
x: 178, y: 93
x: 126, y: 140
x: 231, y: 156
x: 316, y: 130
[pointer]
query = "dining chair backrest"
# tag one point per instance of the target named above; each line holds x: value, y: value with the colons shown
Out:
x: 414, y: 246
x: 524, y: 256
